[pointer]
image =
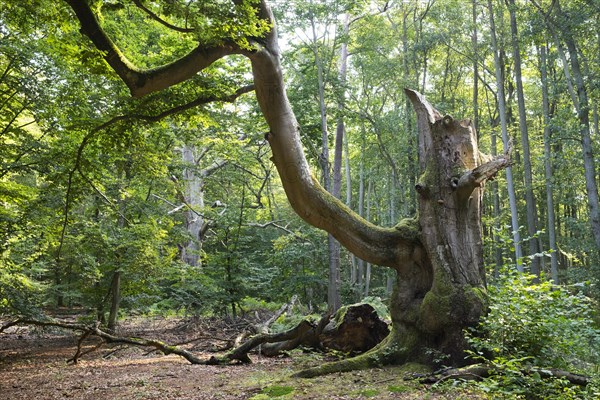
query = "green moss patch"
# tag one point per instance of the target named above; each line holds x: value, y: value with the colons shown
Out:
x: 399, y: 388
x: 274, y: 392
x: 369, y: 392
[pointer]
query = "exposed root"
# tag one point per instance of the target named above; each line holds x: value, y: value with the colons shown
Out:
x: 392, y: 350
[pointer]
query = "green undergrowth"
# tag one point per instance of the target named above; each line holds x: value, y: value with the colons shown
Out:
x: 537, y: 326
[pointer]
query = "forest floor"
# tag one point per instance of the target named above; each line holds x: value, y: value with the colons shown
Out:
x: 33, y: 366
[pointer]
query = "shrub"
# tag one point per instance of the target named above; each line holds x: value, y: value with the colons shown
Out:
x: 535, y: 325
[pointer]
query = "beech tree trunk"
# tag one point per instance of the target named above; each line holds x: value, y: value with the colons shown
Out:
x: 440, y: 282
x: 532, y: 214
x: 115, y: 296
x: 512, y: 199
x: 548, y: 166
x: 194, y: 196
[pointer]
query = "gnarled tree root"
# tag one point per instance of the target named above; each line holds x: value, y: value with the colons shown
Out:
x: 393, y: 350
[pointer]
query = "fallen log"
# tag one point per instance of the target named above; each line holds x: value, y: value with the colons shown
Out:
x: 240, y: 353
x: 354, y: 329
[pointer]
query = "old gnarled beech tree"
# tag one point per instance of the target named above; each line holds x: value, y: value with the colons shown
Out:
x: 440, y: 285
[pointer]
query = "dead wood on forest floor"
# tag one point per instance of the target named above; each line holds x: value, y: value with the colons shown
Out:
x: 478, y: 372
x: 356, y: 328
x: 94, y: 330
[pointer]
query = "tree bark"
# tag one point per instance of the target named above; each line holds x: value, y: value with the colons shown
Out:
x: 583, y: 113
x: 563, y: 26
x: 367, y: 280
x: 194, y: 197
x: 475, y: 42
x: 334, y: 300
x: 115, y: 293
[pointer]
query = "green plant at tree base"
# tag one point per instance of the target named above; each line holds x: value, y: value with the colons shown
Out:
x: 536, y: 326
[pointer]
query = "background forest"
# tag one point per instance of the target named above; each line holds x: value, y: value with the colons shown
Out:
x: 169, y: 204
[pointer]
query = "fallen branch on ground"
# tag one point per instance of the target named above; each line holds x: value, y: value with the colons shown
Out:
x: 356, y: 328
x: 94, y: 330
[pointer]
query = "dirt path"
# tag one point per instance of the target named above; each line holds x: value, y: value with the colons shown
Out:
x: 33, y: 366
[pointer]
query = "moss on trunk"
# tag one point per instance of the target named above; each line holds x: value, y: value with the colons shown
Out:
x: 440, y: 288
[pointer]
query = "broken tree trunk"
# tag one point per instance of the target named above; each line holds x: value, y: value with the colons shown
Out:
x: 354, y: 329
x: 440, y: 288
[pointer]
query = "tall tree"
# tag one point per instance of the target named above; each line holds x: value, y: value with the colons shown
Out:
x: 548, y: 165
x: 532, y: 217
x: 194, y: 177
x: 560, y: 23
x: 440, y: 286
x: 505, y: 140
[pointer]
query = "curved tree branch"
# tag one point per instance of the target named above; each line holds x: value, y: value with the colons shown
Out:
x: 158, y: 19
x: 142, y: 82
x: 384, y: 246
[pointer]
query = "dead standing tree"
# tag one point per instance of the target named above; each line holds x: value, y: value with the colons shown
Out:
x: 440, y: 285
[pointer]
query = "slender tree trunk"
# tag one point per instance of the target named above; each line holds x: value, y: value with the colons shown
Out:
x: 353, y: 264
x: 115, y: 285
x: 580, y: 100
x: 340, y: 128
x: 368, y: 218
x: 334, y: 297
x: 194, y: 197
x: 361, y: 212
x: 334, y: 300
x: 412, y: 136
x: 333, y: 248
x: 548, y: 167
x: 115, y: 296
x: 584, y: 130
x: 532, y: 216
x: 596, y: 119
x: 475, y: 44
x: 498, y: 253
x: 506, y: 142
x: 324, y: 156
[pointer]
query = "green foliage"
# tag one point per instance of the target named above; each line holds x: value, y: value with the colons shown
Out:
x: 399, y: 388
x: 19, y: 294
x: 286, y: 322
x: 533, y: 326
x: 299, y: 260
x: 369, y: 393
x: 380, y: 308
